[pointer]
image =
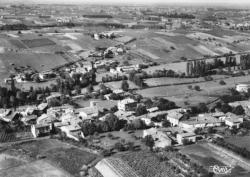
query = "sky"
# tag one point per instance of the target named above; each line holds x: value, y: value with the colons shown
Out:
x: 238, y: 2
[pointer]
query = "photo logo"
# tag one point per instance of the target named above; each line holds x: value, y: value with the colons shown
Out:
x: 221, y: 170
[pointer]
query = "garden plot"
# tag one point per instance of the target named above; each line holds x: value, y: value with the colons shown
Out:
x: 71, y: 44
x: 203, y: 49
x: 148, y: 54
x: 38, y: 42
x: 164, y: 42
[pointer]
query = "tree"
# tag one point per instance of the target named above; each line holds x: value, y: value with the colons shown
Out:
x: 226, y: 108
x: 166, y: 123
x: 211, y: 130
x: 90, y: 88
x: 140, y: 110
x: 222, y: 82
x: 202, y: 107
x: 197, y: 88
x: 149, y: 141
x: 124, y: 85
x: 238, y: 110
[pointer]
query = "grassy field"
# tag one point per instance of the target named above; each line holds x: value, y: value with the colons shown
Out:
x: 209, y: 90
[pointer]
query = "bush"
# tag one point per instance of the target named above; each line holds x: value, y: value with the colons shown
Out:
x: 197, y: 88
x: 222, y: 82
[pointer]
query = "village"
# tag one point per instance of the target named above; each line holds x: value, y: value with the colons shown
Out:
x: 124, y: 91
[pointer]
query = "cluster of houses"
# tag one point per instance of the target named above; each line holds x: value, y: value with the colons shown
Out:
x: 185, y: 128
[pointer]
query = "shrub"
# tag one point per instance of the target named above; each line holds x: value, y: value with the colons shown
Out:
x: 222, y: 82
x: 197, y: 88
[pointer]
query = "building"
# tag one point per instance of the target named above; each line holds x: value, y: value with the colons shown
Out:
x: 174, y: 116
x: 127, y: 104
x: 45, y: 119
x: 87, y: 112
x: 40, y: 129
x: 233, y: 121
x: 161, y: 139
x: 189, y: 137
x: 242, y: 87
x: 72, y: 131
x: 201, y: 121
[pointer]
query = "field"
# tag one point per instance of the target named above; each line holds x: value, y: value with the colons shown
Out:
x: 118, y: 136
x: 34, y: 169
x: 209, y: 157
x: 243, y: 142
x: 59, y: 158
x: 37, y: 61
x: 210, y: 90
x: 146, y: 164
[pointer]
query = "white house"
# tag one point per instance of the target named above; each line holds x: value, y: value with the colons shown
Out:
x: 38, y: 130
x: 233, y: 120
x: 191, y: 137
x: 174, y: 116
x: 242, y: 87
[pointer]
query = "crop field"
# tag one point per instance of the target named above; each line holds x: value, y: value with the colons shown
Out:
x: 38, y: 42
x: 70, y: 159
x: 63, y: 156
x: 18, y: 44
x: 146, y: 164
x: 243, y: 142
x: 117, y: 85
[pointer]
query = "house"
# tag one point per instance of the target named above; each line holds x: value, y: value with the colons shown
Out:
x: 29, y: 119
x: 46, y: 119
x: 154, y: 109
x: 87, y: 112
x: 42, y: 107
x: 118, y: 91
x: 243, y: 87
x: 40, y: 129
x: 4, y: 112
x: 12, y: 116
x: 232, y: 120
x: 53, y: 96
x: 202, y: 121
x: 189, y: 137
x: 127, y: 104
x: 72, y: 131
x: 174, y: 116
x: 161, y: 139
